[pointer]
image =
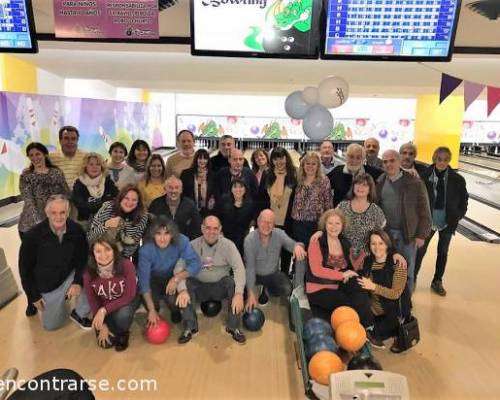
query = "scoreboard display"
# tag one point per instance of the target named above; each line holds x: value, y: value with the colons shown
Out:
x: 17, y: 27
x: 390, y: 29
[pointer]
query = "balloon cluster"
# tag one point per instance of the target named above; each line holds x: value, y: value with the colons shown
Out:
x: 311, y: 105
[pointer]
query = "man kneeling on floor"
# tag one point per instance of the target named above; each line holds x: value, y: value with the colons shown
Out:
x: 51, y: 262
x: 214, y: 282
x: 262, y: 256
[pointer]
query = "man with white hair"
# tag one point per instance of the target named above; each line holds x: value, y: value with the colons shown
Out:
x: 372, y: 148
x: 181, y: 210
x: 52, y: 258
x: 263, y: 248
x: 236, y: 169
x: 403, y: 198
x: 341, y: 176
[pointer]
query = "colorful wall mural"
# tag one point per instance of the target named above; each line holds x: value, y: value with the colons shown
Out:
x: 27, y: 117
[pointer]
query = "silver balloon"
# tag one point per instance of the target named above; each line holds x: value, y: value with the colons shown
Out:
x: 295, y: 106
x: 318, y: 123
x: 333, y: 92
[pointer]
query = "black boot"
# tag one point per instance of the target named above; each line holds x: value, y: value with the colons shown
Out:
x: 31, y: 310
x: 121, y: 341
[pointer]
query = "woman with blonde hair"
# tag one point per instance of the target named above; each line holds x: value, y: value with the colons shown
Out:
x: 92, y: 188
x: 313, y: 196
x: 152, y: 185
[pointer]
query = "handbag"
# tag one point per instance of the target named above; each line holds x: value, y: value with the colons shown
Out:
x: 408, y: 333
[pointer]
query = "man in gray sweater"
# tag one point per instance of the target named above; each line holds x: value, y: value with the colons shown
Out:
x: 263, y: 248
x: 219, y: 256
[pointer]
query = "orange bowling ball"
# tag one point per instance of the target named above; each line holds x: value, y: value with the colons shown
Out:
x: 324, y: 363
x: 350, y: 335
x: 343, y: 314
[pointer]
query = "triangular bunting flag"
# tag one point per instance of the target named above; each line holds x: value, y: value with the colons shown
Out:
x: 448, y: 85
x: 471, y: 92
x: 4, y: 148
x: 493, y: 98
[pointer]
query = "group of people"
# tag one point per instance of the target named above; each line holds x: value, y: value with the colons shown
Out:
x: 133, y: 230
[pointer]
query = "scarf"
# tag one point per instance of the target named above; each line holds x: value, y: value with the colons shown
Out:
x: 105, y: 271
x: 95, y: 186
x: 440, y: 189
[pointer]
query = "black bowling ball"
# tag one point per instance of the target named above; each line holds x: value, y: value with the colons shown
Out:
x: 211, y: 308
x: 364, y: 361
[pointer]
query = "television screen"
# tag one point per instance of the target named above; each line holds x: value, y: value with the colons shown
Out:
x: 390, y: 29
x: 17, y: 27
x: 255, y: 28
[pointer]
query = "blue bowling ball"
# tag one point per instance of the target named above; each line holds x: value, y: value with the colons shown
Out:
x: 320, y: 343
x: 253, y: 320
x: 315, y: 327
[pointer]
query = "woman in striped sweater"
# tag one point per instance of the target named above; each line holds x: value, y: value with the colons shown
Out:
x: 124, y: 218
x: 386, y: 283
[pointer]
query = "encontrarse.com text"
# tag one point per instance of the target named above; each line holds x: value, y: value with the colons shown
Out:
x: 59, y: 385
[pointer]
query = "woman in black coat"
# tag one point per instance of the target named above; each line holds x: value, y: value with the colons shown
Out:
x: 236, y: 213
x: 198, y: 182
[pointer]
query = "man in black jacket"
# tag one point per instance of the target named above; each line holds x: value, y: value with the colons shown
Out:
x: 51, y: 262
x: 235, y: 170
x: 181, y: 210
x: 221, y: 160
x: 448, y: 199
x: 408, y: 154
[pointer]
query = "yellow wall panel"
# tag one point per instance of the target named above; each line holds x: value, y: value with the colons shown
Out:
x: 438, y: 125
x: 18, y: 75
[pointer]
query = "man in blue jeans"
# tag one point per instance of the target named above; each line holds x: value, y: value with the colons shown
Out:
x: 51, y: 262
x: 403, y: 198
x: 448, y: 197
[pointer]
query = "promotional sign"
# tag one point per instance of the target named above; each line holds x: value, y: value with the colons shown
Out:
x: 106, y: 19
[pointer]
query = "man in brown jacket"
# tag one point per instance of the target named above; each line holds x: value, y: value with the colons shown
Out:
x: 403, y: 198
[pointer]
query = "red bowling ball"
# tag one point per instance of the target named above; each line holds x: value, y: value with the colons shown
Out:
x: 158, y: 333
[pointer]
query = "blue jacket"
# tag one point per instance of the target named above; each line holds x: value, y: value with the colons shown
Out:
x: 161, y: 262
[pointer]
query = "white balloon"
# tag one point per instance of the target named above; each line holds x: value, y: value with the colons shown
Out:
x: 318, y: 123
x: 295, y: 106
x: 310, y: 95
x: 333, y: 92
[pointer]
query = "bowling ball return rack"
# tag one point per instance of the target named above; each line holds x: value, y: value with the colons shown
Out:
x: 299, y: 316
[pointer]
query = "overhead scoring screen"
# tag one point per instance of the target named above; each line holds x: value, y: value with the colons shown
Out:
x: 16, y: 26
x: 403, y: 29
x: 279, y: 28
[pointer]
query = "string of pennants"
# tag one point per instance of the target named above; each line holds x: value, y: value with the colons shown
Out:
x: 472, y: 91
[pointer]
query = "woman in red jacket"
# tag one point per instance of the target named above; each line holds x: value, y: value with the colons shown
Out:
x: 110, y: 284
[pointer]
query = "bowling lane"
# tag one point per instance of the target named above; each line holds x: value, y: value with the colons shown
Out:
x: 481, y: 161
x: 476, y: 169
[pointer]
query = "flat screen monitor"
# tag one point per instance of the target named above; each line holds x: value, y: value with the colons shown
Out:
x: 403, y: 30
x: 17, y: 27
x: 256, y: 28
